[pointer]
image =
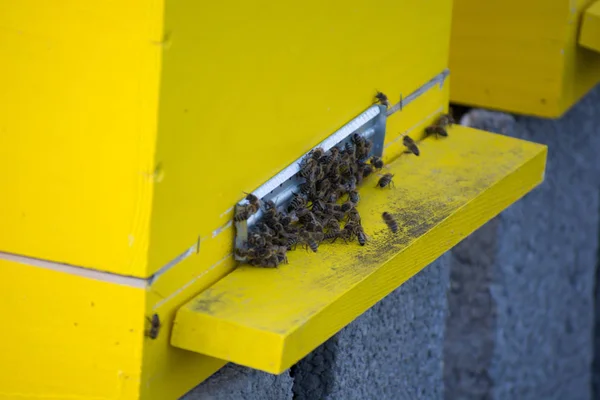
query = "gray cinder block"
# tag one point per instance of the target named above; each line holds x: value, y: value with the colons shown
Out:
x: 521, y: 312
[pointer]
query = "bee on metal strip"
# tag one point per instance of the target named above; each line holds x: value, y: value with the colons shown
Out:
x: 382, y: 99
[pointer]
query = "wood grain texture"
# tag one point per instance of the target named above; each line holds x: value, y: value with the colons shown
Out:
x: 270, y: 318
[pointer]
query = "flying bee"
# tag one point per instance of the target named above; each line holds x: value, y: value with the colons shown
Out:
x: 445, y: 120
x: 152, y: 333
x: 376, y: 162
x: 354, y: 197
x: 390, y: 221
x: 245, y: 211
x: 411, y: 145
x: 385, y: 180
x: 436, y: 130
x: 382, y: 99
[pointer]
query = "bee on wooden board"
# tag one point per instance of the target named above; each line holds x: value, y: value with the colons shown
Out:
x: 385, y: 181
x: 152, y: 333
x: 245, y: 211
x: 410, y: 145
x: 354, y: 197
x: 390, y: 221
x: 382, y: 99
x: 376, y: 162
x: 312, y: 240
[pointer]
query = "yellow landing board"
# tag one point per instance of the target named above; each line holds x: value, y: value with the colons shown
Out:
x: 268, y: 319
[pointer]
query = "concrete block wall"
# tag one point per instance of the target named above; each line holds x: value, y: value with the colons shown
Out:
x: 521, y: 317
x: 507, y: 314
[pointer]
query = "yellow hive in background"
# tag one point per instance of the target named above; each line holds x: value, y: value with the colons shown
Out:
x: 521, y: 56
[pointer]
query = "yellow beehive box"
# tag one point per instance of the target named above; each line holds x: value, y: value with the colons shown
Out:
x: 521, y: 56
x: 129, y: 130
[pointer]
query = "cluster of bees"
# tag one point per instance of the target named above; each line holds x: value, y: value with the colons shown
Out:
x: 324, y: 208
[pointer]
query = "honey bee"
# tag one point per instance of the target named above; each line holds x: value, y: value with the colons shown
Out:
x: 382, y: 99
x: 245, y: 211
x: 332, y: 234
x: 354, y: 216
x: 390, y: 221
x: 292, y: 241
x: 376, y: 162
x: 314, y: 226
x: 330, y: 156
x: 411, y: 145
x: 282, y: 254
x: 436, y: 130
x: 367, y: 170
x: 155, y: 325
x: 349, y: 148
x: 312, y: 240
x: 298, y: 201
x: 385, y: 180
x: 361, y: 236
x: 252, y: 199
x: 353, y: 196
x: 257, y: 240
x: 445, y: 120
x: 317, y: 153
x: 347, y: 206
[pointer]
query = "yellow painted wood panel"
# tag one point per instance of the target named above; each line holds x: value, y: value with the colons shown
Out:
x: 520, y: 56
x: 590, y: 28
x: 236, y: 81
x: 247, y: 88
x: 79, y: 95
x: 270, y: 318
x: 67, y: 336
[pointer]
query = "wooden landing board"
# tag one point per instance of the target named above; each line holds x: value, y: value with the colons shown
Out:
x: 268, y: 319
